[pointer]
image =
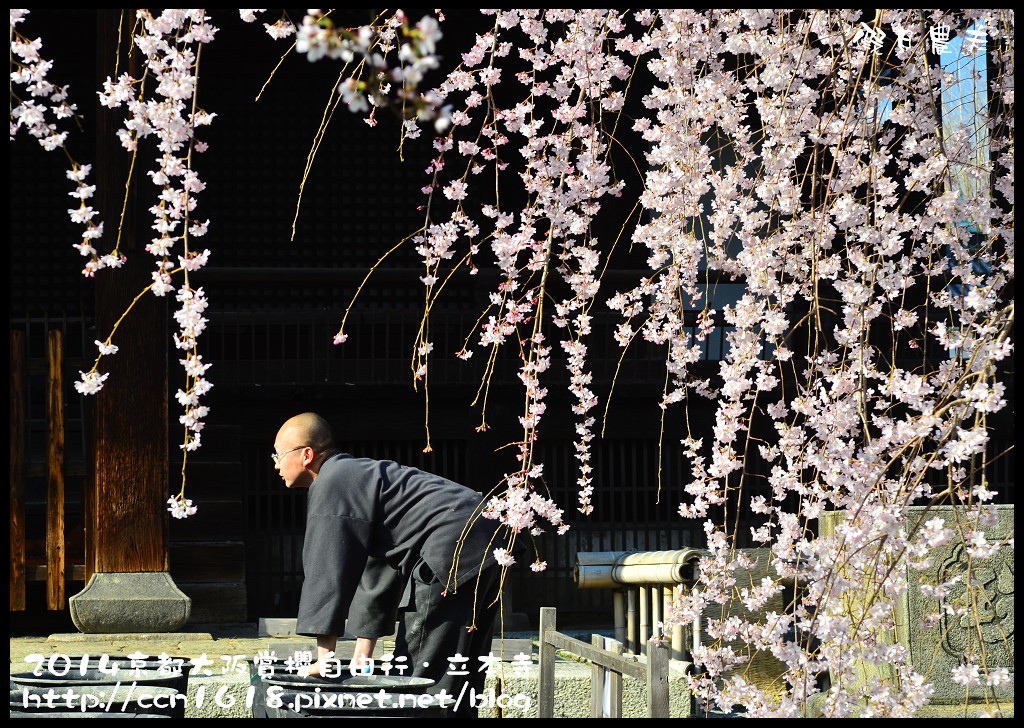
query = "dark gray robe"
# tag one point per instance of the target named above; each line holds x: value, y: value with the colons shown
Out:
x: 369, y: 524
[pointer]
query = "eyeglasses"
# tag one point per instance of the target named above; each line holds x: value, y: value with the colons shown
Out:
x: 276, y: 457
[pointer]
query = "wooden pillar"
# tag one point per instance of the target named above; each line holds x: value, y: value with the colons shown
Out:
x: 55, y: 551
x: 130, y: 589
x: 18, y: 470
x: 598, y: 674
x: 129, y: 522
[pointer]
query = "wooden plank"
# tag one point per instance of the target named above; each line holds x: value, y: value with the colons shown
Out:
x: 17, y: 465
x: 657, y: 678
x: 55, y: 481
x: 88, y: 511
x: 626, y: 664
x: 615, y: 683
x: 597, y: 678
x: 546, y: 677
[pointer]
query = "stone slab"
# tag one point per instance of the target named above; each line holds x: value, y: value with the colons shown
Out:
x: 276, y: 627
x: 987, y: 630
x: 510, y: 649
x: 977, y: 629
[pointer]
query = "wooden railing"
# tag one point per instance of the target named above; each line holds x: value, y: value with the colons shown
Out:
x: 32, y: 558
x: 608, y: 666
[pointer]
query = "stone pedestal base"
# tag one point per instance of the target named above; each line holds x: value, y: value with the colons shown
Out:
x: 145, y: 601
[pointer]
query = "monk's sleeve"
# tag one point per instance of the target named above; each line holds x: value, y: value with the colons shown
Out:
x: 333, y: 558
x: 374, y: 608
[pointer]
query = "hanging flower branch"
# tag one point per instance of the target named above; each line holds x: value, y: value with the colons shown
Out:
x: 40, y: 113
x: 169, y: 44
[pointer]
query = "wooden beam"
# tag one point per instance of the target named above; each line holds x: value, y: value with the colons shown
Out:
x: 625, y: 664
x: 55, y: 596
x: 17, y: 407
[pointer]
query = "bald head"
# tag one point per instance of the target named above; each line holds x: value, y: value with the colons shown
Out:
x: 308, y: 429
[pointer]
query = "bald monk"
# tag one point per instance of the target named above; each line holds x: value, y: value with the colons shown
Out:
x: 384, y: 539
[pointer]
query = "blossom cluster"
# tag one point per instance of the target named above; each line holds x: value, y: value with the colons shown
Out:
x: 390, y: 56
x: 40, y: 115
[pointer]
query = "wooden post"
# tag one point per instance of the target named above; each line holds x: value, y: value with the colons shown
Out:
x: 614, y: 678
x: 546, y: 679
x: 55, y: 473
x: 18, y: 470
x: 88, y: 496
x: 657, y: 678
x: 598, y: 674
x: 129, y: 524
